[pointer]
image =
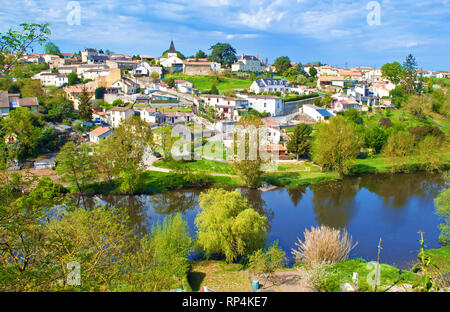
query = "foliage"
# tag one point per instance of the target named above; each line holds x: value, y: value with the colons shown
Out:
x: 442, y: 203
x: 15, y: 43
x: 312, y: 71
x: 393, y: 72
x: 100, y: 93
x: 299, y: 140
x: 51, y: 48
x: 323, y: 245
x: 267, y: 261
x: 200, y: 54
x: 84, y: 106
x: 75, y: 165
x: 26, y: 129
x: 249, y: 171
x: 72, y: 79
x: 61, y: 111
x: 336, y: 144
x: 410, y: 75
x: 223, y: 53
x: 375, y: 137
x: 353, y: 115
x: 398, y: 148
x: 228, y: 225
x: 282, y: 64
x: 423, y: 265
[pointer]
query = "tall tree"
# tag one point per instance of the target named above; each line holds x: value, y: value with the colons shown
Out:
x: 15, y: 43
x: 84, y: 106
x: 312, y: 71
x: 282, y: 64
x: 223, y: 53
x: 336, y: 144
x: 299, y: 140
x: 410, y: 74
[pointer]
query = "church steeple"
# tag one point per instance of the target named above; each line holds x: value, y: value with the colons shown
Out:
x: 172, y: 48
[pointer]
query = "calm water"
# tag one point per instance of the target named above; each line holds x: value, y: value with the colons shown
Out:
x: 394, y: 207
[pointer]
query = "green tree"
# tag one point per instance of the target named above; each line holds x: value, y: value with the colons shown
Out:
x: 375, y: 137
x: 200, y: 54
x: 299, y: 140
x: 100, y: 93
x: 172, y: 245
x: 266, y: 262
x: 72, y: 78
x: 24, y: 129
x: 312, y: 71
x: 398, y: 149
x: 393, y: 71
x: 442, y: 203
x: 410, y: 74
x: 282, y: 64
x: 336, y: 144
x: 75, y: 166
x: 61, y: 111
x: 228, y: 225
x: 51, y: 48
x: 15, y: 43
x: 171, y: 83
x: 84, y: 106
x: 214, y: 90
x: 291, y: 73
x: 353, y: 115
x: 223, y: 53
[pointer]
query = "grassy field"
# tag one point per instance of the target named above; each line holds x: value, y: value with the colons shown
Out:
x: 219, y: 276
x: 203, y: 165
x: 204, y: 83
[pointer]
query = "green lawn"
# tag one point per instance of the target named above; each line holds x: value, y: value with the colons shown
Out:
x: 204, y: 83
x: 203, y: 165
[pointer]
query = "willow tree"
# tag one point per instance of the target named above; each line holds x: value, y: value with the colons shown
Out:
x: 228, y: 225
x: 336, y: 145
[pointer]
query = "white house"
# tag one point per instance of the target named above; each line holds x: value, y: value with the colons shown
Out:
x: 274, y: 130
x: 270, y: 85
x: 248, y: 63
x: 124, y: 86
x: 145, y: 69
x: 96, y: 135
x: 51, y: 79
x: 172, y: 60
x: 117, y: 114
x: 184, y: 86
x: 273, y: 105
x: 151, y: 115
x: 316, y: 113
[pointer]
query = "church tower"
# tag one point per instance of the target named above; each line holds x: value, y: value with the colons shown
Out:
x: 172, y: 50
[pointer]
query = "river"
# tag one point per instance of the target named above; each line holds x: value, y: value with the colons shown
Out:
x: 393, y: 207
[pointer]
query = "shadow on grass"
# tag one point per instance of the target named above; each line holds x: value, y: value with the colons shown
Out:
x: 195, y: 280
x: 361, y: 169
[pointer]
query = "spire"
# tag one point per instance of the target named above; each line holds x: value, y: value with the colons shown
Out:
x: 172, y: 48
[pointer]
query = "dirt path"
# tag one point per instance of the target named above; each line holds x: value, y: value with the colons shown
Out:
x: 284, y: 281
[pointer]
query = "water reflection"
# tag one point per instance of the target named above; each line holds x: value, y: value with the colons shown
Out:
x: 334, y: 203
x: 256, y: 200
x: 174, y: 202
x: 296, y: 194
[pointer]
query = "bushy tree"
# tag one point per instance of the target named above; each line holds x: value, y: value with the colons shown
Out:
x: 51, y: 48
x: 393, y: 71
x: 398, y: 149
x: 72, y: 78
x: 266, y: 262
x: 100, y: 93
x: 223, y: 53
x: 375, y: 137
x: 282, y: 64
x: 312, y: 71
x: 75, y: 166
x: 84, y: 106
x: 228, y: 225
x: 336, y: 144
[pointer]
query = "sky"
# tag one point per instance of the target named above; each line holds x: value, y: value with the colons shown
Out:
x: 339, y: 33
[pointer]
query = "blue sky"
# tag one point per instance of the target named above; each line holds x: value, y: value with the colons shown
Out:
x: 333, y: 32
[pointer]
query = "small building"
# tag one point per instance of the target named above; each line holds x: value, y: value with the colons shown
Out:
x: 98, y: 134
x: 316, y: 113
x: 270, y: 85
x: 117, y: 114
x: 273, y: 105
x: 8, y: 102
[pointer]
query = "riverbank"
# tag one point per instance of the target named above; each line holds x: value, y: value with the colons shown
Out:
x: 225, y: 277
x: 209, y: 173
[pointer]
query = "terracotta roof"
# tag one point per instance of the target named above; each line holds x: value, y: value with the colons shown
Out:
x: 28, y: 102
x: 100, y: 131
x: 119, y: 109
x: 270, y: 122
